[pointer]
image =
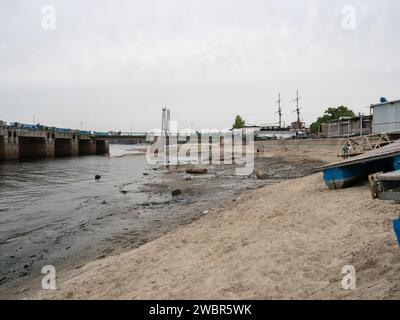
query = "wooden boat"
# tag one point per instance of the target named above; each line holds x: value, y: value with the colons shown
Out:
x: 345, y: 173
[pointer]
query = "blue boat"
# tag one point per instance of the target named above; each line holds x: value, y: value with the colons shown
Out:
x: 396, y: 227
x: 344, y: 174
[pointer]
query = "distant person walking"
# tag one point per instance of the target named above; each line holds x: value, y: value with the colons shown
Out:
x: 345, y: 150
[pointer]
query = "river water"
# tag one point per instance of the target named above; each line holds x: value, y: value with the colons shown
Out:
x: 51, y: 208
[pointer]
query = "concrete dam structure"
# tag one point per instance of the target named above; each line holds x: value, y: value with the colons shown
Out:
x: 18, y: 141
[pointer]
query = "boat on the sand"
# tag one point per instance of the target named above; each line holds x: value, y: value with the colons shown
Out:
x: 345, y: 173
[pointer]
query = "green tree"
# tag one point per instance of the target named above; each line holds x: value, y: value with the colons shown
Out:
x: 239, y: 122
x: 331, y: 114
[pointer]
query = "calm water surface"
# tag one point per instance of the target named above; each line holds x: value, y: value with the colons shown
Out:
x: 50, y: 209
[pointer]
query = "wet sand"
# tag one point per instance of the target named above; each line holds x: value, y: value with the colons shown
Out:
x: 287, y: 241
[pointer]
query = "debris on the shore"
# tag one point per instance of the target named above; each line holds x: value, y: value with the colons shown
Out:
x: 262, y: 174
x: 196, y: 171
x: 97, y: 177
x: 176, y: 192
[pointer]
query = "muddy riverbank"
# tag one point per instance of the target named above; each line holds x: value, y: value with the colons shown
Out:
x: 288, y: 240
x: 136, y: 211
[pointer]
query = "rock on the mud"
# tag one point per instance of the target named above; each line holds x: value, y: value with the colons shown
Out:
x: 176, y: 192
x: 196, y: 171
x: 262, y: 174
x: 97, y: 177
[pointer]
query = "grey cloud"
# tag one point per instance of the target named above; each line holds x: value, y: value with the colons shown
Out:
x: 110, y: 63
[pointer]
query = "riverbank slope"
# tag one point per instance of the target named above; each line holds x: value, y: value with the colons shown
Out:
x: 286, y: 241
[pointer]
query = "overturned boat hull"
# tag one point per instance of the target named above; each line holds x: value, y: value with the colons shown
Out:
x: 342, y: 177
x: 344, y: 174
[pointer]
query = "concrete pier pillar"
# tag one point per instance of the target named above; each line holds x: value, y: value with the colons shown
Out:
x: 75, y: 148
x: 87, y: 147
x: 35, y: 147
x: 102, y: 147
x: 66, y: 147
x: 9, y: 145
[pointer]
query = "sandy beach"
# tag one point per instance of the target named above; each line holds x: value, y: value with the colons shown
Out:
x: 288, y: 240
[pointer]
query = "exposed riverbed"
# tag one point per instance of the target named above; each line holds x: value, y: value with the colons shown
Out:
x: 53, y: 212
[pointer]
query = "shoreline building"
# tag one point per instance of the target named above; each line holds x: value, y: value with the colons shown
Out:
x: 386, y: 116
x: 347, y: 127
x: 275, y: 133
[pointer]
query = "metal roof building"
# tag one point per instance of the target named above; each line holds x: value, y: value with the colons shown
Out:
x: 346, y: 127
x: 386, y: 117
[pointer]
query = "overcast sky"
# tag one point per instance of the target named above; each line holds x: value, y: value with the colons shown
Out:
x: 113, y: 63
